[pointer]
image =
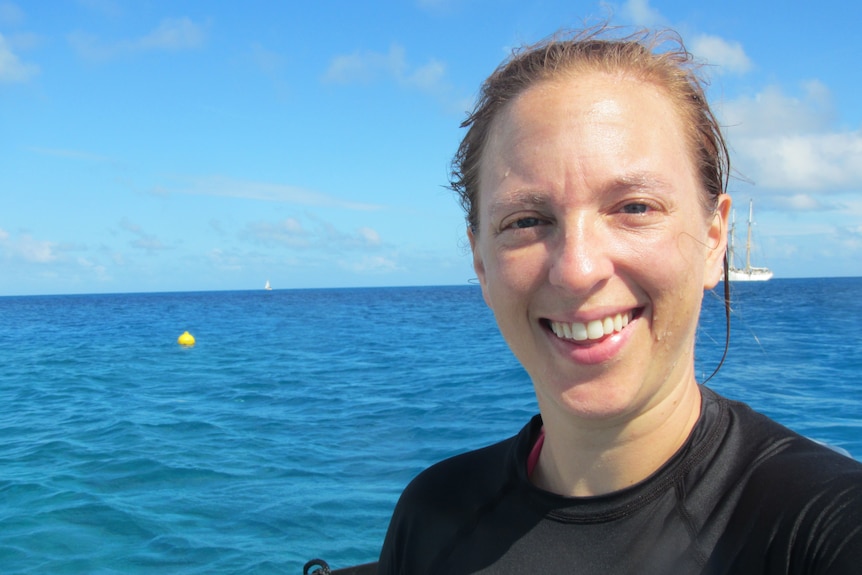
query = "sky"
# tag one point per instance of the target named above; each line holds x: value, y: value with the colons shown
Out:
x: 196, y: 145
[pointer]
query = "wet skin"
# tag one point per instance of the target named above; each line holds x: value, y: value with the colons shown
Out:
x: 589, y: 207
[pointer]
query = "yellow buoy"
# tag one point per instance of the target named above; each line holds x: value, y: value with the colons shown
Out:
x: 186, y: 339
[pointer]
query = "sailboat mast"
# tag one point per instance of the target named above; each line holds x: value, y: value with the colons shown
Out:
x: 732, y: 235
x: 748, y: 240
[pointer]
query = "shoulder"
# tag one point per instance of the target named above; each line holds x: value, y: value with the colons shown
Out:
x: 443, y: 500
x: 796, y: 498
x: 769, y: 452
x: 455, y: 486
x: 459, y: 480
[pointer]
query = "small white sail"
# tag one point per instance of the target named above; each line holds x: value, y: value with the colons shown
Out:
x: 267, y: 287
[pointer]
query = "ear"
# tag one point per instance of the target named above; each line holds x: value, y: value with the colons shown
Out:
x: 716, y: 243
x: 478, y: 265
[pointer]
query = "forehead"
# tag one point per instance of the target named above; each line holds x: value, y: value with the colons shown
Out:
x: 593, y: 98
x: 609, y: 123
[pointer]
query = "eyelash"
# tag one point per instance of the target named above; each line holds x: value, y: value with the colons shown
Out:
x: 645, y: 208
x: 631, y: 208
x: 521, y: 223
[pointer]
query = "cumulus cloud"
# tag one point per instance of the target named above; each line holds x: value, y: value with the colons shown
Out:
x: 27, y: 248
x: 829, y: 161
x: 12, y: 69
x: 171, y: 35
x: 790, y: 144
x: 773, y: 113
x: 726, y: 56
x: 370, y: 66
x: 268, y: 192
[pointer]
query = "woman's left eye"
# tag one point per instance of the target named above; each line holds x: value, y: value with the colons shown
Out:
x: 528, y: 222
x: 635, y: 208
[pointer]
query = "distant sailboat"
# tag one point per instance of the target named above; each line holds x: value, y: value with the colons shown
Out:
x: 749, y: 273
x: 267, y: 287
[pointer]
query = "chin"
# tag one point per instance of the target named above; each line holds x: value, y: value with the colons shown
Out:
x: 596, y: 401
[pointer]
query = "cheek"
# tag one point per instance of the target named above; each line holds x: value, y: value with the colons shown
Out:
x: 670, y: 270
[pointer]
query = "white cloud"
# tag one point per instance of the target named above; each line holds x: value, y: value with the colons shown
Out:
x: 100, y: 271
x: 428, y: 77
x: 726, y: 55
x: 772, y: 113
x: 369, y: 66
x: 269, y: 62
x: 370, y: 264
x: 369, y: 235
x: 143, y: 240
x: 25, y: 247
x: 12, y: 69
x: 828, y: 162
x: 805, y: 202
x: 262, y: 191
x: 320, y: 236
x: 366, y: 66
x: 172, y: 34
x: 790, y: 144
x: 225, y: 260
x: 288, y: 232
x: 640, y: 13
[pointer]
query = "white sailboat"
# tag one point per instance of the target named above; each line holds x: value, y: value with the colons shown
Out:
x: 267, y: 287
x: 748, y: 273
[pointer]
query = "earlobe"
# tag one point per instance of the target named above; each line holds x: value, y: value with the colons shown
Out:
x: 717, y: 243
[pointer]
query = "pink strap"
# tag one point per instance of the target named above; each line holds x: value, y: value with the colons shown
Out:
x: 533, y: 458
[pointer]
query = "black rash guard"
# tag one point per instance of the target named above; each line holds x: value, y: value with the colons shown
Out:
x: 744, y: 495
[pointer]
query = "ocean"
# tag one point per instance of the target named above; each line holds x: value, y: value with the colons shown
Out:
x: 289, y: 429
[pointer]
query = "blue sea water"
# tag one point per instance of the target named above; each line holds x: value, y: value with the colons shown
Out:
x: 289, y: 429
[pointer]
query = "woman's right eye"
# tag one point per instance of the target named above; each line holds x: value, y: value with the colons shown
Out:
x: 527, y: 222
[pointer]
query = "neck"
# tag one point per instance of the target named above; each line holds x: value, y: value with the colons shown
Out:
x: 586, y: 458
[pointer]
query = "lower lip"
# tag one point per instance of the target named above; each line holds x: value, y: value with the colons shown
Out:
x: 596, y: 352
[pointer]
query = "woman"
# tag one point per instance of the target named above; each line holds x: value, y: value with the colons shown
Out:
x: 593, y: 175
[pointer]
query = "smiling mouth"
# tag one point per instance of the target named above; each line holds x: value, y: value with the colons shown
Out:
x: 592, y: 330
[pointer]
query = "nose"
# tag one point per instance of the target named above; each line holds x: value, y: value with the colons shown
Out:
x: 581, y: 254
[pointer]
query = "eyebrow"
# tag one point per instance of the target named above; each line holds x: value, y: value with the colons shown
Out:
x: 518, y: 198
x: 641, y: 180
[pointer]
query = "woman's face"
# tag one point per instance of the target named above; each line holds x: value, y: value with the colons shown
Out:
x: 593, y: 247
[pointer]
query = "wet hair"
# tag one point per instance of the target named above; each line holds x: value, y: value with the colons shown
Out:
x: 656, y: 58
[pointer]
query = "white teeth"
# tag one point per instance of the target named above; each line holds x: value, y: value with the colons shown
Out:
x: 579, y: 331
x: 596, y: 329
